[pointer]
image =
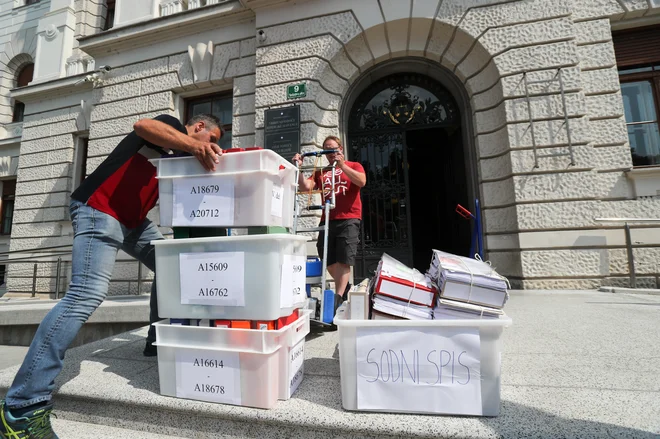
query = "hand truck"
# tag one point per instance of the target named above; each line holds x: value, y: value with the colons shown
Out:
x: 325, y: 306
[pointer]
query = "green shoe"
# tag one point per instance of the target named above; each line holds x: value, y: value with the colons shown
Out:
x: 33, y: 425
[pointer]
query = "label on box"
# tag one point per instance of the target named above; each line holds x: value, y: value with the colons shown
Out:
x: 213, y: 376
x: 292, y: 285
x: 203, y: 201
x: 296, y: 366
x: 214, y: 278
x: 428, y: 370
x: 277, y: 201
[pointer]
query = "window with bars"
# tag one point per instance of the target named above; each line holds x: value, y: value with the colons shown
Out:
x: 638, y: 58
x: 219, y: 105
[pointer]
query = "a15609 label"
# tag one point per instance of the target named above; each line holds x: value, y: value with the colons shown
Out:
x: 214, y: 278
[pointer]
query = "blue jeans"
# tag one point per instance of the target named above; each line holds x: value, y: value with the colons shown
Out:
x: 96, y: 239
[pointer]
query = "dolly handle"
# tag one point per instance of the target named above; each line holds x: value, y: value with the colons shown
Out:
x: 317, y: 153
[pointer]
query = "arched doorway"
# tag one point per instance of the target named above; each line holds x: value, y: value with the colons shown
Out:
x: 405, y: 129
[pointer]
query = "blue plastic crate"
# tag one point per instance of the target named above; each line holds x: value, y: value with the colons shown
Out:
x: 314, y: 267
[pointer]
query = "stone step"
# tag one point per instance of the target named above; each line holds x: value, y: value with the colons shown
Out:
x: 19, y: 318
x: 558, y: 380
x: 79, y: 430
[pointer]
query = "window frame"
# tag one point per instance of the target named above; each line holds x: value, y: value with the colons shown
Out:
x: 109, y: 21
x: 189, y: 102
x: 22, y: 80
x: 6, y: 199
x: 653, y: 77
x: 80, y: 159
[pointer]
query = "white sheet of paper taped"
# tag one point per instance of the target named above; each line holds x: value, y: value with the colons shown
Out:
x: 421, y: 370
x: 212, y: 278
x: 203, y: 201
x: 292, y: 286
x: 296, y: 366
x: 213, y: 376
x: 277, y: 201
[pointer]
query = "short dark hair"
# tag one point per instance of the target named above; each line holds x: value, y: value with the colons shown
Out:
x: 209, y: 120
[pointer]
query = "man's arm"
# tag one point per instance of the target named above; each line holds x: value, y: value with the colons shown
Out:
x: 357, y: 178
x: 166, y: 136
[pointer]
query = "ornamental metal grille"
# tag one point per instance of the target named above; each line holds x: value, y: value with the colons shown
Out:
x: 377, y: 125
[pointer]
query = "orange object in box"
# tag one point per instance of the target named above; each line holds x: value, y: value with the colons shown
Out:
x: 221, y: 323
x: 283, y: 322
x: 264, y: 325
x: 240, y: 324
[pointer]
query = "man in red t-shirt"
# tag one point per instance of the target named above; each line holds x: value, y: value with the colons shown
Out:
x: 345, y: 218
x: 108, y: 213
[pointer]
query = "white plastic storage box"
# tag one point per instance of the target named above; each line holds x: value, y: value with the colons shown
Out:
x: 248, y: 188
x: 232, y: 366
x: 254, y: 277
x: 292, y: 355
x: 420, y: 366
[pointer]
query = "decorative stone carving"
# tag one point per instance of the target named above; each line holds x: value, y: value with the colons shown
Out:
x: 51, y: 32
x: 170, y: 7
x: 201, y: 58
x: 194, y: 4
x: 77, y: 65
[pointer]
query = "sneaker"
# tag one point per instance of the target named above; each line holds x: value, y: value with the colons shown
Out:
x: 32, y: 425
x: 150, y: 350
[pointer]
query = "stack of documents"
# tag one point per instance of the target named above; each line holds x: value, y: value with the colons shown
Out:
x: 468, y: 286
x: 401, y: 291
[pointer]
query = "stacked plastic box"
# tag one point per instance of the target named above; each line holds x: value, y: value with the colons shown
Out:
x: 240, y: 297
x: 413, y: 364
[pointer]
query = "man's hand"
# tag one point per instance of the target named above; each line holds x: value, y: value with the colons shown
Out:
x: 297, y: 160
x: 207, y: 154
x: 339, y: 158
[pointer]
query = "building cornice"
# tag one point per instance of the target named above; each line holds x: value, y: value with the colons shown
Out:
x: 165, y: 28
x: 50, y: 89
x: 649, y: 20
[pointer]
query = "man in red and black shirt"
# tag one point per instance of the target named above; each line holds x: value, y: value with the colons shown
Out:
x: 345, y: 218
x: 108, y: 213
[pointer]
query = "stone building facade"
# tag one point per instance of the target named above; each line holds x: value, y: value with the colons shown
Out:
x: 443, y: 101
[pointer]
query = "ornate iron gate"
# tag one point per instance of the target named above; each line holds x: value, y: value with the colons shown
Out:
x: 376, y: 137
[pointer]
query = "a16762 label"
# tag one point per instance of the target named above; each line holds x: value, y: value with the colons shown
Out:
x: 214, y: 278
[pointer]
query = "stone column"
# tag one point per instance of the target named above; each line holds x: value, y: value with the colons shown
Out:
x: 55, y: 40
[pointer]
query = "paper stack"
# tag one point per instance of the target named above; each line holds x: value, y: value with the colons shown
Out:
x: 402, y: 292
x: 467, y: 286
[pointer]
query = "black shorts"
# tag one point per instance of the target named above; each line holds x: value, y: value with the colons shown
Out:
x: 343, y: 238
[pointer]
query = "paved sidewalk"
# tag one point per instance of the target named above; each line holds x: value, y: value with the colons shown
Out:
x: 11, y: 355
x: 574, y: 365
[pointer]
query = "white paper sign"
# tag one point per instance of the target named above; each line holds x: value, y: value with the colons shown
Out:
x: 204, y: 375
x: 277, y: 201
x: 292, y: 286
x: 214, y: 278
x: 434, y: 370
x: 296, y: 366
x: 203, y: 201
